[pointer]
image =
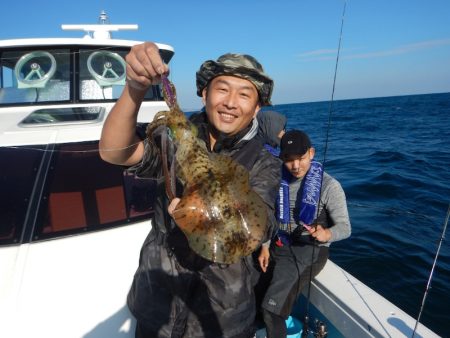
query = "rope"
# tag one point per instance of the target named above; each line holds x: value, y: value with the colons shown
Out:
x: 96, y: 150
x: 70, y: 53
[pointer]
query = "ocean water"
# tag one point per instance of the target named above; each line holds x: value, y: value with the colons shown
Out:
x: 392, y: 157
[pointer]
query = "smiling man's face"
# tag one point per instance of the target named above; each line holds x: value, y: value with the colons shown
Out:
x: 231, y: 103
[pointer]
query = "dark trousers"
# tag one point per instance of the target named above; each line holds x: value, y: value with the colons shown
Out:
x: 293, y: 273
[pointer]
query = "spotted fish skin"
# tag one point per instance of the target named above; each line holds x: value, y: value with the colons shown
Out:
x: 221, y: 216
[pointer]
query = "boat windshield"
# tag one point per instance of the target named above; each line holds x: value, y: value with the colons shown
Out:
x: 63, y: 75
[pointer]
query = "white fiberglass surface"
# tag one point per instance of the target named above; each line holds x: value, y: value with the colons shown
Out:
x: 358, y: 311
x: 77, y: 286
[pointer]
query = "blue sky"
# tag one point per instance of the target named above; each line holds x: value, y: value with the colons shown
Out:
x: 389, y: 47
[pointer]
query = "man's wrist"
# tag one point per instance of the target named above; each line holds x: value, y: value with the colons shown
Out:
x: 136, y: 92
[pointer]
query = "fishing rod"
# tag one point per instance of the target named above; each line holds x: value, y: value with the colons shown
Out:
x: 422, y: 306
x: 320, y: 327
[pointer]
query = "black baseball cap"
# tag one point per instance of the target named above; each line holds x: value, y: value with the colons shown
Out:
x: 294, y: 142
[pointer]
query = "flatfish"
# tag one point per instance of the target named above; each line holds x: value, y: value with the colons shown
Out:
x: 221, y: 216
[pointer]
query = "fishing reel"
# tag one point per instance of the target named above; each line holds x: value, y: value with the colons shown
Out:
x: 318, y: 331
x: 321, y: 329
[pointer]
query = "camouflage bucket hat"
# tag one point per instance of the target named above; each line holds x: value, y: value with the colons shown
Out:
x: 240, y: 65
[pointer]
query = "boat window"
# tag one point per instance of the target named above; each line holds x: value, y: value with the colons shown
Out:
x: 29, y: 76
x: 102, y: 75
x: 84, y: 193
x: 19, y: 167
x: 64, y: 115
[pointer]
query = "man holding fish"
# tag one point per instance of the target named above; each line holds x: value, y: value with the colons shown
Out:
x: 196, y: 280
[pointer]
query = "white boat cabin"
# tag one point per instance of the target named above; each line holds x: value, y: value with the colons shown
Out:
x: 71, y: 225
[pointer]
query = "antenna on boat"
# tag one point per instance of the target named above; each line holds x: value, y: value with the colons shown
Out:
x: 100, y: 31
x: 103, y: 18
x: 432, y: 271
